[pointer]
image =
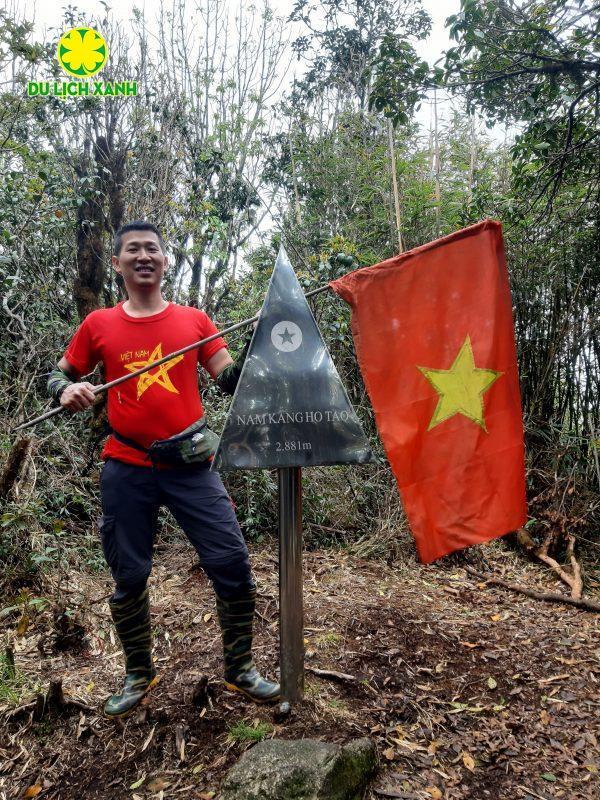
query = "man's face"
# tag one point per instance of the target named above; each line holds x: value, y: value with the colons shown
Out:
x: 141, y: 262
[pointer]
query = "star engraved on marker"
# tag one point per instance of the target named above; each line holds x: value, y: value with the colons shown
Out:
x: 460, y: 388
x: 286, y: 336
x: 160, y: 376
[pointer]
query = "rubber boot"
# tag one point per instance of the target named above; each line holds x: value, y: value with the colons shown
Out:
x: 236, y: 618
x: 132, y: 623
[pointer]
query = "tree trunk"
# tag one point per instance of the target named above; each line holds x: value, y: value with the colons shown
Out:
x: 194, y: 290
x: 89, y: 280
x: 12, y: 470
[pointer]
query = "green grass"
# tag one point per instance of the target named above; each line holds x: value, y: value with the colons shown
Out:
x: 337, y: 704
x: 13, y: 683
x: 242, y: 731
x: 325, y: 640
x: 312, y: 689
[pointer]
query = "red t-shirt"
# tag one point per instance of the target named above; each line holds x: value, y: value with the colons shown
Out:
x: 159, y: 403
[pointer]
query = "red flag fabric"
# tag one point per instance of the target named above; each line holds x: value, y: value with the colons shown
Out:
x: 434, y: 336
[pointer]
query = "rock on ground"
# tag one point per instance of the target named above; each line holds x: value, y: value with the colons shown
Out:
x: 303, y: 769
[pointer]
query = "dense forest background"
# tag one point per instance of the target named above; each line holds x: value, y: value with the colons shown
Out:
x: 227, y: 158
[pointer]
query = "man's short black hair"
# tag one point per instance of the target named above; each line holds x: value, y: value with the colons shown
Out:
x: 136, y: 225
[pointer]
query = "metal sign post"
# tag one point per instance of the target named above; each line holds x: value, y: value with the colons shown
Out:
x: 291, y: 616
x: 290, y: 410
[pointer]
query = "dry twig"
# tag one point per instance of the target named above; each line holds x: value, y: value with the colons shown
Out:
x: 342, y: 677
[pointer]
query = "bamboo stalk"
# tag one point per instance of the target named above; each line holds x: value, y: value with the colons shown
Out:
x: 438, y: 191
x: 395, y: 185
x: 473, y: 158
x: 295, y: 181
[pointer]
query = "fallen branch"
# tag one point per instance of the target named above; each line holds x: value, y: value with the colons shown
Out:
x: 342, y: 677
x: 549, y: 597
x: 180, y: 734
x: 531, y: 792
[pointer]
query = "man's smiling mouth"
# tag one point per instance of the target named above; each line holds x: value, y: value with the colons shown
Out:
x: 144, y: 269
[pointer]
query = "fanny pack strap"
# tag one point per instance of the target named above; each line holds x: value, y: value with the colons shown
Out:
x: 185, y: 434
x: 129, y: 442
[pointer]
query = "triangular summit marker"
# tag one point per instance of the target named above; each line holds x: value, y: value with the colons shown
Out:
x: 290, y: 408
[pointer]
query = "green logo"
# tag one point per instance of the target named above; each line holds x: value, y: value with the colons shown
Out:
x: 82, y: 52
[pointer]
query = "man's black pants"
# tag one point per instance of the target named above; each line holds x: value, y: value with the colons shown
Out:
x: 131, y: 498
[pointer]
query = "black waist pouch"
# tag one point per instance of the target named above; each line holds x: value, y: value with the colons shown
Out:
x: 193, y: 445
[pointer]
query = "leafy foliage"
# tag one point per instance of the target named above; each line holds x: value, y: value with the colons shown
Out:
x: 537, y: 64
x: 361, y: 52
x: 400, y: 79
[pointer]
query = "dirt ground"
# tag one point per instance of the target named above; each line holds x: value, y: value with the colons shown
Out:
x: 469, y: 690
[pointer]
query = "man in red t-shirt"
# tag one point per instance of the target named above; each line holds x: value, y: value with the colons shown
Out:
x: 157, y: 405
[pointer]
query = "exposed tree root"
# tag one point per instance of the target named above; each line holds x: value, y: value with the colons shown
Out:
x: 572, y: 580
x: 549, y: 597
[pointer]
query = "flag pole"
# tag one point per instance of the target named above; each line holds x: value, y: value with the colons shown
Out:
x: 141, y: 370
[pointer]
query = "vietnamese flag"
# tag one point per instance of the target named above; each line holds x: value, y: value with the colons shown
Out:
x: 434, y: 337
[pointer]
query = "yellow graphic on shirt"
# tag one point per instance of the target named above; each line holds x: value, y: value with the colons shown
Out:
x: 158, y: 376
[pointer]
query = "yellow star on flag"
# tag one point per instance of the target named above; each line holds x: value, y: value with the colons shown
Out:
x: 460, y: 388
x: 159, y: 376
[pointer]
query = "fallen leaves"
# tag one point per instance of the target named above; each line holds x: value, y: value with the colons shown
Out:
x: 23, y: 624
x: 412, y: 747
x: 158, y: 784
x: 490, y: 694
x: 148, y: 739
x: 549, y: 776
x: 468, y: 761
x: 33, y: 791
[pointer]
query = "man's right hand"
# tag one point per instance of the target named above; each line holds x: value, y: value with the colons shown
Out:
x: 78, y: 396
